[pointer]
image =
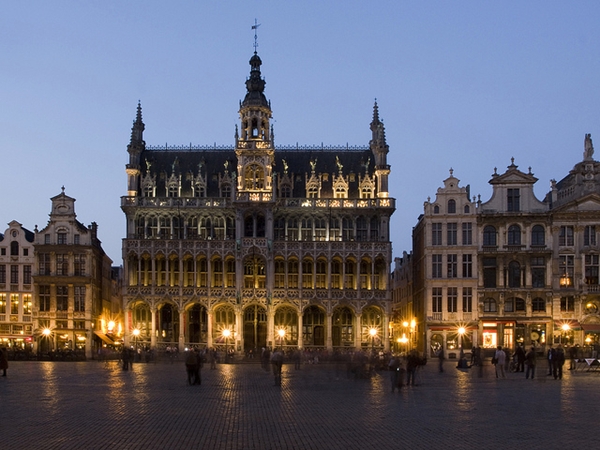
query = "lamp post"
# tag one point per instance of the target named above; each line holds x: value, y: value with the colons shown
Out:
x: 281, y: 333
x: 47, y: 332
x: 373, y: 333
x: 136, y: 333
x: 226, y: 334
x: 566, y: 327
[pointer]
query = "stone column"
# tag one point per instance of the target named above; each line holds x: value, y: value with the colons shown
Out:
x: 300, y: 334
x: 328, y: 330
x: 209, y: 328
x: 358, y: 333
x: 153, y: 312
x: 181, y: 329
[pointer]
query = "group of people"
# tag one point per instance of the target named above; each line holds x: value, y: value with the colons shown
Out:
x: 413, y: 362
x: 194, y: 360
x: 528, y: 360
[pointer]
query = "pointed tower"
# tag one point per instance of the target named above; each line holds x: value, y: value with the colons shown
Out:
x: 135, y: 148
x: 254, y: 147
x: 380, y: 150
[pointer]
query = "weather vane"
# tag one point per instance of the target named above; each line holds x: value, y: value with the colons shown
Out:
x: 255, y: 28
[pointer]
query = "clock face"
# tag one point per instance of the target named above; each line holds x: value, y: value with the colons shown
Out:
x: 535, y: 335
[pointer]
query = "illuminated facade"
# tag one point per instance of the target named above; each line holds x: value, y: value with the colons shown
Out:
x: 257, y: 238
x: 511, y: 270
x: 72, y: 284
x: 16, y: 289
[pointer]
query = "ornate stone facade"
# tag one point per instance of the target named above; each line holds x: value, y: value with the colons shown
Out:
x: 277, y: 245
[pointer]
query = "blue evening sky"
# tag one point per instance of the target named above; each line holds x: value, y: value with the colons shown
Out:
x: 460, y: 84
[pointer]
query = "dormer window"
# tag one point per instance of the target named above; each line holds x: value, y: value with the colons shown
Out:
x: 513, y: 200
x: 255, y: 177
x: 451, y: 206
x: 436, y: 209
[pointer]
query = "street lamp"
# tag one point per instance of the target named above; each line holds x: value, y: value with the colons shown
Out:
x: 226, y: 334
x: 136, y: 333
x: 565, y: 327
x: 373, y: 333
x: 47, y: 332
x: 281, y: 333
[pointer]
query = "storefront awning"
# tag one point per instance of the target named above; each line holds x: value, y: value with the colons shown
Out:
x: 104, y: 337
x: 591, y: 327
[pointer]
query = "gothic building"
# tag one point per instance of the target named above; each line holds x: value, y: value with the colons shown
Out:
x: 257, y: 245
x: 511, y: 270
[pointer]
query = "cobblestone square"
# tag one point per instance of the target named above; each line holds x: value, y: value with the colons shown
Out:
x: 96, y: 405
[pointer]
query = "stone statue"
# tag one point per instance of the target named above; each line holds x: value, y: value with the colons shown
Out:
x: 588, y: 148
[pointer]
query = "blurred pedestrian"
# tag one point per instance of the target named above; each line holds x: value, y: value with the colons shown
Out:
x: 441, y: 357
x: 530, y: 363
x: 500, y: 357
x: 558, y: 361
x: 191, y: 361
x: 3, y: 360
x: 277, y: 364
x: 394, y: 368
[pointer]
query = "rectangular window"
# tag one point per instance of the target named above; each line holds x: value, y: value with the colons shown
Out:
x: 452, y: 261
x: 279, y: 274
x: 27, y: 303
x: 436, y: 297
x: 436, y: 266
x: 565, y: 236
x: 589, y: 235
x: 14, y: 274
x: 230, y: 273
x: 467, y: 299
x: 452, y: 299
x: 513, y: 200
x: 76, y: 239
x: 307, y: 274
x: 44, y: 298
x: 336, y: 274
x: 27, y: 274
x: 14, y: 303
x: 567, y: 304
x: 321, y: 275
x: 292, y: 275
x: 79, y: 265
x: 62, y: 298
x: 62, y: 264
x: 2, y: 303
x: 217, y: 274
x: 2, y: 273
x: 79, y: 299
x: 538, y: 272
x: 467, y: 266
x: 436, y: 234
x: 451, y: 232
x: 566, y: 264
x: 46, y: 239
x: 44, y: 260
x: 489, y: 272
x: 467, y: 233
x: 591, y: 269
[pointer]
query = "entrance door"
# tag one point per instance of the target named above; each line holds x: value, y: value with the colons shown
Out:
x: 255, y: 328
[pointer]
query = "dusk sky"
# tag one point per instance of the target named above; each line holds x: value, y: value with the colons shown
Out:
x: 460, y: 84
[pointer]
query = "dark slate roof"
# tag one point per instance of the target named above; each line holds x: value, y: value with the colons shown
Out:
x: 213, y: 161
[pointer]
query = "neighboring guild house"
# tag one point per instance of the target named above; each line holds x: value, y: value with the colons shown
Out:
x: 72, y: 285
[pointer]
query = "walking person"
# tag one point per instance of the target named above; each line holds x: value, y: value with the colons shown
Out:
x: 530, y: 363
x: 412, y: 363
x: 558, y: 360
x: 198, y: 368
x: 277, y: 363
x: 441, y: 357
x: 520, y: 356
x: 191, y: 361
x: 3, y: 361
x: 549, y: 357
x: 394, y: 368
x: 500, y: 357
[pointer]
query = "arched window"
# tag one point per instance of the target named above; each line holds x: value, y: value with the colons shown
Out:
x: 489, y: 236
x: 514, y: 235
x: 255, y: 177
x: 514, y: 274
x: 14, y: 248
x: 467, y: 209
x: 436, y: 209
x: 451, y: 206
x: 343, y: 327
x: 538, y: 235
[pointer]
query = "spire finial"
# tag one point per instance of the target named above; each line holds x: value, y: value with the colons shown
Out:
x: 255, y: 28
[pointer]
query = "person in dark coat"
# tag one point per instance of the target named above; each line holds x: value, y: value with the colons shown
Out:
x: 191, y: 361
x: 3, y: 361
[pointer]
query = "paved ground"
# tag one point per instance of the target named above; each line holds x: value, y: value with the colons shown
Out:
x: 95, y: 405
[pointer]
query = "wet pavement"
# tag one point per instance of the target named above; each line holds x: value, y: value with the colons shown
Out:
x: 96, y: 405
